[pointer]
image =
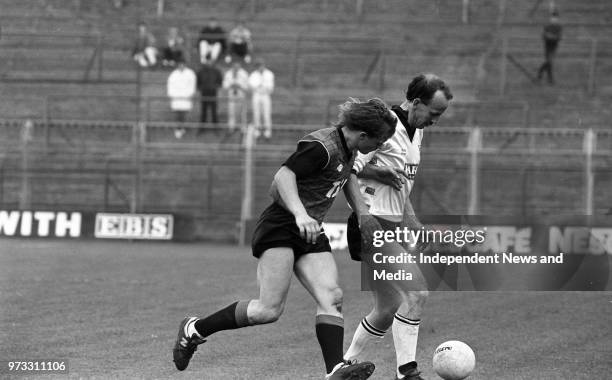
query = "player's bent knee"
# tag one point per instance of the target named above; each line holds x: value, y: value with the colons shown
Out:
x: 267, y: 313
x: 270, y: 315
x: 418, y: 297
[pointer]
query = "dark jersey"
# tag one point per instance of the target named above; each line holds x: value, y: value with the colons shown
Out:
x: 318, y: 189
x: 309, y: 158
x: 552, y: 32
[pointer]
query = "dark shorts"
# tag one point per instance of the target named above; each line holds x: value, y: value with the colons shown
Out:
x: 353, y: 234
x: 276, y: 228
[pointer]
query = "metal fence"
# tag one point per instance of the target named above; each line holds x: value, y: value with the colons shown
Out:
x: 309, y: 109
x: 141, y: 167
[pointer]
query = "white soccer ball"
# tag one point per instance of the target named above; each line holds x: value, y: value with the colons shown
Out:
x: 454, y: 360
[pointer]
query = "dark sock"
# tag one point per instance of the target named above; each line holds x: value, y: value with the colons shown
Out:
x: 330, y: 334
x: 231, y: 317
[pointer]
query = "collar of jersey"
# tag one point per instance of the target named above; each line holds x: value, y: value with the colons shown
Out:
x: 343, y: 142
x: 402, y: 115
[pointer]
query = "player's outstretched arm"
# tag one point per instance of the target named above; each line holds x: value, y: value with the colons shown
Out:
x: 388, y: 175
x: 367, y: 223
x: 286, y: 185
x: 353, y: 196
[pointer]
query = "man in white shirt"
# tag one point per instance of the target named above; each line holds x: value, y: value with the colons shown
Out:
x: 261, y: 83
x: 236, y: 82
x: 386, y: 177
x: 181, y: 87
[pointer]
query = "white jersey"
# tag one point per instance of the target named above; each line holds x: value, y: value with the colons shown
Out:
x: 398, y: 152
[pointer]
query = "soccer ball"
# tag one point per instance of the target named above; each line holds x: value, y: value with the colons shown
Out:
x: 453, y: 360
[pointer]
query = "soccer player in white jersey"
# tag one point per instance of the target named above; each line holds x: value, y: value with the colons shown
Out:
x: 386, y: 178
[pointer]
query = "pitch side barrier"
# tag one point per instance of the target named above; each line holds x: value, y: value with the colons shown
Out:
x: 490, y: 253
x: 96, y: 225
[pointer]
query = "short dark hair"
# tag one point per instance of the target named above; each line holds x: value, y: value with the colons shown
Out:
x: 424, y: 86
x: 370, y: 117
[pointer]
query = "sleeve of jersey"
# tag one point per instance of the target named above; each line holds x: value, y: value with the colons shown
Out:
x: 309, y: 158
x: 361, y: 160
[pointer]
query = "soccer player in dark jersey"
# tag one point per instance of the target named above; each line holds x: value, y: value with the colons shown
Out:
x: 386, y: 177
x: 288, y: 238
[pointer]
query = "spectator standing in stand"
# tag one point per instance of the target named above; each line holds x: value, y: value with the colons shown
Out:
x: 181, y: 87
x: 211, y: 43
x: 551, y: 36
x: 261, y: 83
x: 144, y: 51
x: 174, y: 47
x: 236, y: 82
x: 209, y: 80
x: 240, y: 44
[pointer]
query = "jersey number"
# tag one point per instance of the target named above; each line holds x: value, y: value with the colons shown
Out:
x: 337, y: 185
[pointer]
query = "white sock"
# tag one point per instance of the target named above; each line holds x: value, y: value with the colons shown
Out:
x: 405, y: 336
x: 364, y: 334
x: 190, y: 328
